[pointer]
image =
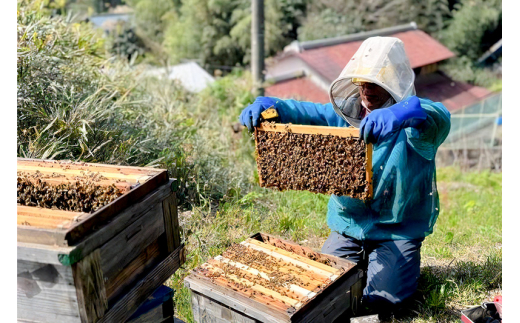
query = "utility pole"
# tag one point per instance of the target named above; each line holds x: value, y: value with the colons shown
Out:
x: 257, y: 46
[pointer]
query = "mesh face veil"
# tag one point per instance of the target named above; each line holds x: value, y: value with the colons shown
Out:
x: 379, y: 60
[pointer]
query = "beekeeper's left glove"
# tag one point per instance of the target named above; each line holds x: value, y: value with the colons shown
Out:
x: 250, y: 116
x: 382, y: 122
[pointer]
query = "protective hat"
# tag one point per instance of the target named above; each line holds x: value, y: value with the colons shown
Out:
x: 379, y: 60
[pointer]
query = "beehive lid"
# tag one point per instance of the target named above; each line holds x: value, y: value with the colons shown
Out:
x: 328, y: 160
x: 268, y: 275
x: 121, y: 186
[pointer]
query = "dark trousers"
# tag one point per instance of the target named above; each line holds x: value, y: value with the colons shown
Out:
x: 393, y: 267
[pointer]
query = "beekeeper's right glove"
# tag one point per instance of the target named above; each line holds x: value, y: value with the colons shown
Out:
x: 250, y: 116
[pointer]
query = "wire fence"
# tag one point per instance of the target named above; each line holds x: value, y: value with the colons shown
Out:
x: 475, y: 138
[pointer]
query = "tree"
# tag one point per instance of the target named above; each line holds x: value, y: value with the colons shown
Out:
x: 217, y: 33
x: 472, y: 21
x: 151, y: 16
x: 329, y: 18
x: 476, y: 25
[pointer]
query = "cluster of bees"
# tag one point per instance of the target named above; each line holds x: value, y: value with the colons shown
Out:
x: 279, y: 279
x: 264, y: 262
x: 80, y: 195
x: 312, y: 162
x: 309, y: 254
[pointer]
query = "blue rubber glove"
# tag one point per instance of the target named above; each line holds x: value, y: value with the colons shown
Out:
x: 381, y: 122
x: 251, y: 115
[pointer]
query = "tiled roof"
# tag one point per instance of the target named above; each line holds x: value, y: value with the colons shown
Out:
x: 454, y: 95
x: 329, y: 61
x: 302, y: 89
x: 435, y: 86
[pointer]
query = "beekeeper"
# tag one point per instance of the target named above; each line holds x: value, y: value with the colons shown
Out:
x: 375, y: 92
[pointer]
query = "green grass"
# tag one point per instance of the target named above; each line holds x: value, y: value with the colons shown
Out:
x: 461, y: 260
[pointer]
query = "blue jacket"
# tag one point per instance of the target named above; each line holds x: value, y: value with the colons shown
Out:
x: 405, y: 203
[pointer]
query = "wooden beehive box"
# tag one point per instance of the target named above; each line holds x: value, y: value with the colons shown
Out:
x: 266, y: 279
x: 329, y: 160
x: 99, y: 266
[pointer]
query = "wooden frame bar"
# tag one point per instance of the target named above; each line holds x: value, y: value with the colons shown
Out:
x: 342, y: 132
x: 123, y: 309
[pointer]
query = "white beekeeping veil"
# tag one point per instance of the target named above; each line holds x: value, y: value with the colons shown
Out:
x: 379, y: 60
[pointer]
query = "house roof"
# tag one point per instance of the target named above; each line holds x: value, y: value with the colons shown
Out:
x: 323, y: 60
x: 435, y: 86
x: 301, y: 88
x: 329, y: 61
x: 191, y: 76
x: 454, y: 95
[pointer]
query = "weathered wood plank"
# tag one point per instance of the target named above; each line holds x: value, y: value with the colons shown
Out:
x: 168, y: 225
x: 52, y: 307
x: 129, y: 243
x: 45, y: 273
x: 206, y: 310
x: 330, y: 303
x: 305, y: 129
x: 171, y: 222
x: 90, y: 287
x: 129, y: 275
x: 46, y: 293
x: 47, y: 213
x: 41, y: 253
x: 232, y: 299
x: 87, y: 166
x: 175, y: 220
x: 49, y: 223
x: 75, y: 172
x: 28, y: 234
x: 99, y: 218
x: 119, y: 223
x: 123, y: 309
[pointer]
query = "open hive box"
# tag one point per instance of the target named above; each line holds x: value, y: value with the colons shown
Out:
x: 329, y: 160
x: 266, y: 279
x: 94, y: 241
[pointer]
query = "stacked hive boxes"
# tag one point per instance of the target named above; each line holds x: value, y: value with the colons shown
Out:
x: 94, y: 241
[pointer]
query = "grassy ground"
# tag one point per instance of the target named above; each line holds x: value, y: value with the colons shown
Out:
x: 461, y: 260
